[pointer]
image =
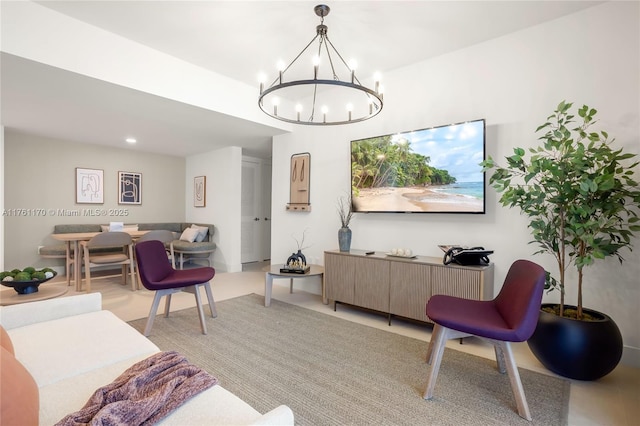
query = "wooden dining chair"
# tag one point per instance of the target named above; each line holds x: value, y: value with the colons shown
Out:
x: 106, y: 249
x: 165, y: 237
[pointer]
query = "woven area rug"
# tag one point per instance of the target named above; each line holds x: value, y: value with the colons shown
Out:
x: 331, y: 371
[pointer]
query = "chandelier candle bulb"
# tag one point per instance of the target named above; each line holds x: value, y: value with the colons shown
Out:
x: 298, y: 111
x: 316, y: 65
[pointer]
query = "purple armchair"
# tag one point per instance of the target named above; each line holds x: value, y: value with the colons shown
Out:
x: 157, y: 274
x: 510, y: 317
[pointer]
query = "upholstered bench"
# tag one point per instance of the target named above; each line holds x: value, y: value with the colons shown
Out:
x: 199, y: 247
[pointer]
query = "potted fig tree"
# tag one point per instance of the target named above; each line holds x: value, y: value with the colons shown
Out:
x: 582, y: 200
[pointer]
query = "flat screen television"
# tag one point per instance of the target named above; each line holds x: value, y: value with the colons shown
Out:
x: 434, y: 170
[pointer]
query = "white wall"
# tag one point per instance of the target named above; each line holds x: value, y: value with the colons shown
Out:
x: 514, y: 82
x: 223, y: 169
x: 60, y: 41
x: 40, y: 175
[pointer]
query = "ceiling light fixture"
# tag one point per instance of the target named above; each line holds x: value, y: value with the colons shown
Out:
x: 131, y: 140
x: 294, y: 94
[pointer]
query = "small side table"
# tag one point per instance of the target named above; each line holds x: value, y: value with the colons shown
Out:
x: 45, y: 291
x: 273, y: 271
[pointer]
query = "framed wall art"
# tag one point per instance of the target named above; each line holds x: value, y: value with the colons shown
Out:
x: 299, y: 183
x: 89, y: 186
x: 129, y: 188
x: 200, y: 191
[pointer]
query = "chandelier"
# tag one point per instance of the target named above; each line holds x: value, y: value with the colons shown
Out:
x: 326, y: 91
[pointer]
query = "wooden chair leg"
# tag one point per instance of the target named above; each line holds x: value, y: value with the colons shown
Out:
x: 212, y: 303
x: 87, y: 274
x: 152, y: 312
x: 516, y: 383
x: 436, y: 358
x: 203, y: 324
x: 499, y: 358
x: 68, y: 263
x: 167, y: 305
x: 434, y: 335
x: 132, y: 272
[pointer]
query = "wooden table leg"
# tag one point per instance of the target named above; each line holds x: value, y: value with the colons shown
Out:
x: 77, y: 265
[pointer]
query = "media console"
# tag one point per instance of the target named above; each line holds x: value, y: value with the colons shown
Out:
x: 400, y: 286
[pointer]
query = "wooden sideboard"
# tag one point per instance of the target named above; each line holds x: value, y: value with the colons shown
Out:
x: 400, y: 286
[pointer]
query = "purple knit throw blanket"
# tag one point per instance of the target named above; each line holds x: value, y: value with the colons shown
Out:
x: 144, y: 394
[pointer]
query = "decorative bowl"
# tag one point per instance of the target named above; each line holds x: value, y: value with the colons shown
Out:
x: 26, y: 287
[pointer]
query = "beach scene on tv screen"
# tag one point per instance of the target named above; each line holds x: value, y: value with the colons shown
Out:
x: 430, y: 170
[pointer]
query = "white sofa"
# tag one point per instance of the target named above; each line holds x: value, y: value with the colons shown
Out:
x: 71, y: 347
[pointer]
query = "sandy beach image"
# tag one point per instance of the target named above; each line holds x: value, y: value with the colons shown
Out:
x: 413, y: 199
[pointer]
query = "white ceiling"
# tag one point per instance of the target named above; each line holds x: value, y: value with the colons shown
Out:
x: 238, y: 39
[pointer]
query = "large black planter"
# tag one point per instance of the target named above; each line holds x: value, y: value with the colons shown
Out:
x: 582, y: 350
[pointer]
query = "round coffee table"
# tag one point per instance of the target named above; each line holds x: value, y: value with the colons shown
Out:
x: 273, y: 271
x: 47, y: 290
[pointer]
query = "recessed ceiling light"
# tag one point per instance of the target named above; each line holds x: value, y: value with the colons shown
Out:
x: 131, y: 140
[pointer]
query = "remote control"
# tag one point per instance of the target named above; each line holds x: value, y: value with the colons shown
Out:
x: 369, y: 252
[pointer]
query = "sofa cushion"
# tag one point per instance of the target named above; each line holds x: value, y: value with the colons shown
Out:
x: 5, y: 341
x: 76, y: 345
x: 83, y: 227
x: 215, y: 406
x: 189, y: 235
x: 202, y: 232
x: 205, y: 246
x: 58, y: 250
x: 69, y: 395
x: 168, y: 226
x: 19, y: 404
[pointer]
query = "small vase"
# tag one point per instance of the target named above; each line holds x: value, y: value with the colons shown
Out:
x: 344, y: 239
x: 297, y: 258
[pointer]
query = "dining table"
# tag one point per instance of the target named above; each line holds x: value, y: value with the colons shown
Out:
x: 73, y: 239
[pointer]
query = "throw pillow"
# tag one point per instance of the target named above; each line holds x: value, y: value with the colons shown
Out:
x: 189, y: 234
x: 116, y: 226
x: 105, y: 228
x: 5, y: 340
x: 20, y: 402
x: 202, y: 232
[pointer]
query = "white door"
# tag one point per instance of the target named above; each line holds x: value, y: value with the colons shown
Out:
x: 266, y: 211
x: 251, y: 212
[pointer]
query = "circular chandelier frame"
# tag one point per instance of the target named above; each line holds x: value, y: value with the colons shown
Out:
x: 374, y: 97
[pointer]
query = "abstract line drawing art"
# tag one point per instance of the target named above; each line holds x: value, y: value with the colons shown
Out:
x: 89, y: 186
x: 200, y: 191
x: 129, y: 188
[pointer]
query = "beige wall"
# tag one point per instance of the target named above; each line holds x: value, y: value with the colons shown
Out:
x: 39, y: 176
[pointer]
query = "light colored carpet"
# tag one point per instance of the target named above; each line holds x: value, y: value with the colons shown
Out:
x: 335, y: 372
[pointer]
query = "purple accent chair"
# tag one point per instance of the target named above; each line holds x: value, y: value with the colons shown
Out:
x: 157, y: 274
x: 510, y: 317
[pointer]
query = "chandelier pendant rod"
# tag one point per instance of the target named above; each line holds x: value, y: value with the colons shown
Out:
x: 353, y: 75
x: 293, y: 62
x: 326, y: 47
